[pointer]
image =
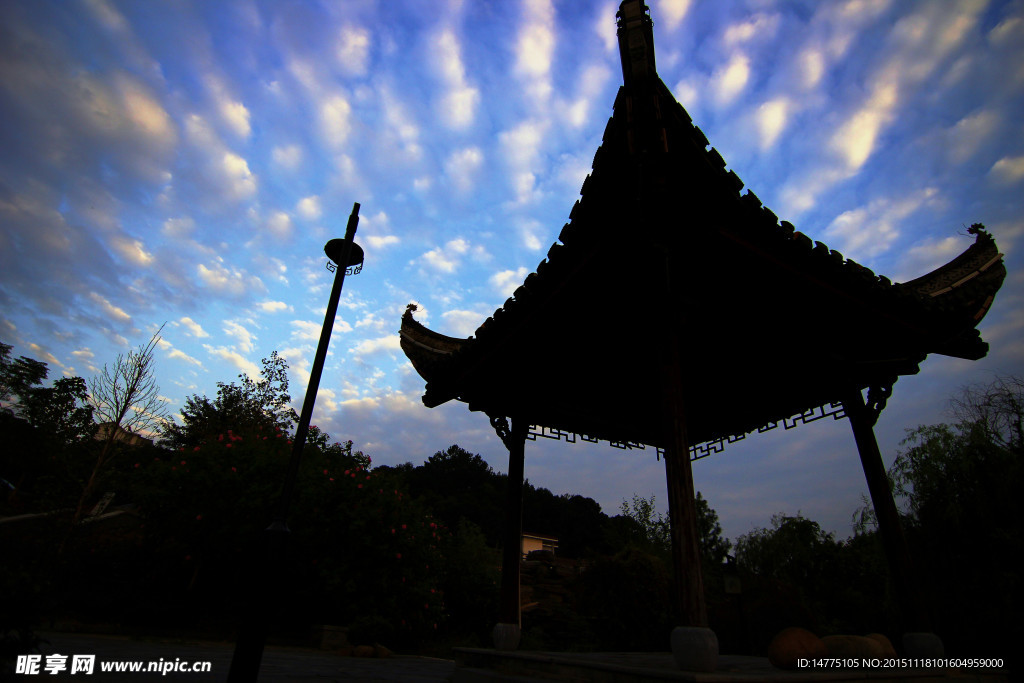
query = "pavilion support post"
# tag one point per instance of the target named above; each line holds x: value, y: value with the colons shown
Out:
x: 694, y: 645
x: 918, y: 641
x: 507, y: 631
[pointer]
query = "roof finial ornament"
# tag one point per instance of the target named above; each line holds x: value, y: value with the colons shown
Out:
x: 636, y: 41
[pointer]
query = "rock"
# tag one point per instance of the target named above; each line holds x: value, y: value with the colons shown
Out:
x: 853, y: 647
x: 886, y: 644
x: 363, y: 651
x: 694, y: 648
x: 793, y: 643
x: 381, y: 652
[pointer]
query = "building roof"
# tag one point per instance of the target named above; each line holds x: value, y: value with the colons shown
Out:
x: 663, y: 244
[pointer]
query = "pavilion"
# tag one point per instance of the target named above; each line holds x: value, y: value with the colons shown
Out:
x: 679, y: 313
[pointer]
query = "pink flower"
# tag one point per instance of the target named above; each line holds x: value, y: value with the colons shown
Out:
x: 195, y: 449
x: 227, y: 445
x: 182, y: 462
x: 332, y: 478
x: 325, y: 471
x: 136, y: 464
x: 399, y: 556
x: 403, y: 527
x: 360, y: 486
x: 347, y: 471
x: 233, y: 469
x: 220, y: 437
x: 199, y: 518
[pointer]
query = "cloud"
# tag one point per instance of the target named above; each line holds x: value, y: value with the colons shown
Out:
x: 463, y: 323
x: 968, y: 135
x: 926, y: 256
x: 236, y: 359
x: 730, y: 80
x: 309, y: 208
x: 401, y: 130
x: 110, y: 310
x: 521, y: 147
x: 306, y: 331
x: 535, y: 47
x: 179, y: 227
x: 279, y: 224
x: 461, y: 167
x: 459, y: 102
x: 194, y: 328
x: 855, y: 139
x: 771, y: 121
x: 1008, y: 169
x: 605, y: 26
x: 353, y: 50
x: 591, y: 81
x: 335, y: 123
x: 233, y: 281
x: 232, y: 112
x: 226, y: 173
x: 760, y: 26
x: 673, y: 12
x: 869, y: 231
x: 446, y: 259
x: 273, y: 306
x: 132, y: 251
x: 506, y: 282
x: 370, y: 346
x: 528, y: 231
x: 181, y: 355
x: 380, y: 242
x: 243, y: 337
x: 288, y: 156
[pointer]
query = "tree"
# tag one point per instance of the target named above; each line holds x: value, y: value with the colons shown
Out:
x: 254, y: 406
x: 960, y: 485
x: 17, y: 376
x: 125, y: 397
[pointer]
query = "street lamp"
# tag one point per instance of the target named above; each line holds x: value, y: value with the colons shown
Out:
x: 346, y: 258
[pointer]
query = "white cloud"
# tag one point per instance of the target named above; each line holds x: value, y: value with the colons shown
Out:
x: 812, y: 67
x: 229, y: 281
x: 463, y: 323
x: 529, y: 231
x: 507, y: 281
x: 673, y: 11
x: 110, y: 310
x: 446, y: 259
x: 855, y: 139
x: 132, y: 251
x: 687, y: 93
x: 400, y: 126
x: 380, y: 242
x: 969, y: 133
x: 521, y: 147
x: 309, y: 208
x: 730, y: 80
x: 353, y: 50
x: 243, y: 337
x: 535, y: 47
x: 273, y: 306
x: 869, y: 231
x: 241, y: 181
x: 194, y: 328
x: 462, y: 166
x: 592, y: 82
x: 771, y: 120
x: 927, y: 256
x: 306, y: 331
x: 179, y: 227
x: 369, y: 346
x: 760, y: 26
x: 236, y: 359
x: 181, y: 355
x: 288, y: 156
x: 335, y: 114
x: 1008, y: 169
x: 605, y: 26
x: 459, y: 102
x: 279, y: 224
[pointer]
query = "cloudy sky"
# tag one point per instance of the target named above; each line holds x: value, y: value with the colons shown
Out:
x: 185, y: 162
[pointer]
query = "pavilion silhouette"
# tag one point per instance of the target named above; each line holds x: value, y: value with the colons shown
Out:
x: 679, y: 313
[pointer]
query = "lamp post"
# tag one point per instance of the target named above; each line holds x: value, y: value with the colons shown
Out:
x: 346, y: 257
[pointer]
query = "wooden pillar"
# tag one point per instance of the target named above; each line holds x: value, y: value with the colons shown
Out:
x: 682, y: 507
x: 912, y: 606
x: 506, y: 633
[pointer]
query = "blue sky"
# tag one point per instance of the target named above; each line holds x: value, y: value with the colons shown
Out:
x: 185, y: 162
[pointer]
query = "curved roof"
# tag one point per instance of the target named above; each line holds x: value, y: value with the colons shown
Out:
x: 663, y: 245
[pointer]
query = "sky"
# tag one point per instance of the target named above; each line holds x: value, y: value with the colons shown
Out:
x: 184, y: 163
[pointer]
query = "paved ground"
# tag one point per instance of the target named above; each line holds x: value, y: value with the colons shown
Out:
x: 279, y: 663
